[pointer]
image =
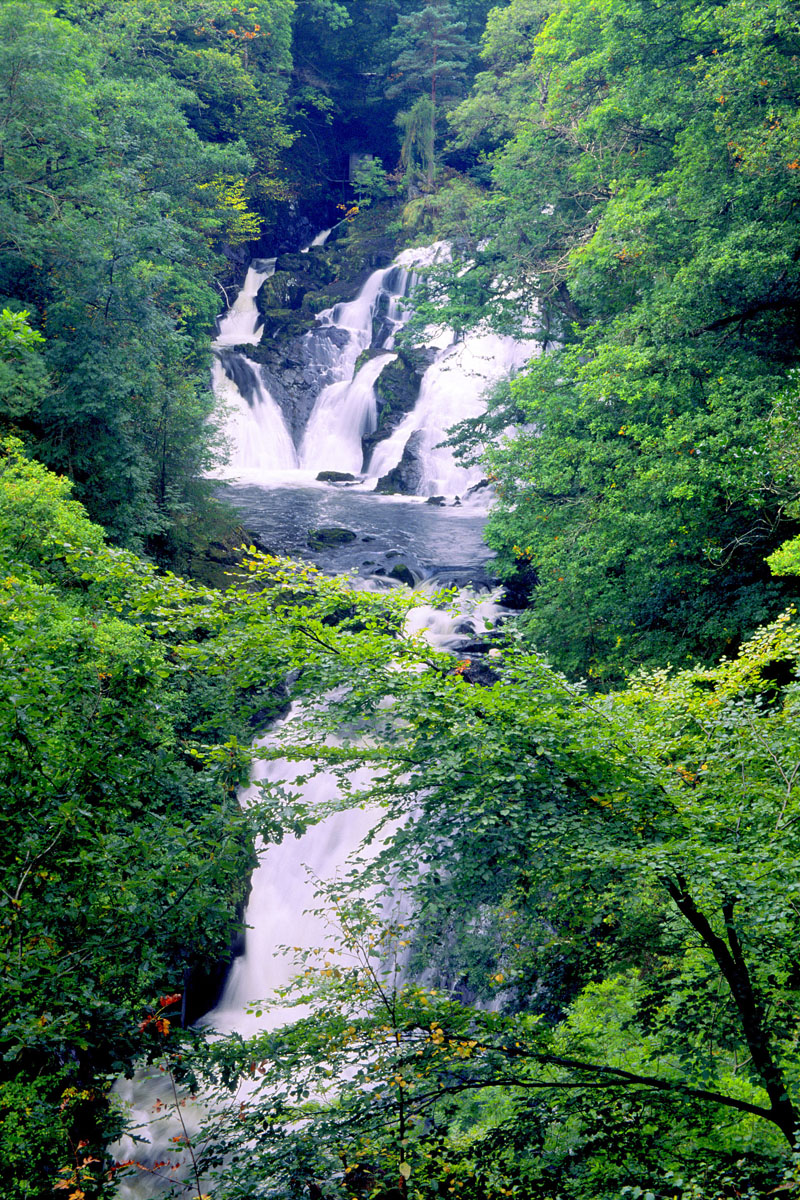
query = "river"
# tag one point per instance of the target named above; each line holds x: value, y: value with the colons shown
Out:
x: 434, y: 535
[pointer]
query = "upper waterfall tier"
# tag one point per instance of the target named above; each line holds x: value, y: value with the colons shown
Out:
x: 241, y: 323
x: 320, y: 398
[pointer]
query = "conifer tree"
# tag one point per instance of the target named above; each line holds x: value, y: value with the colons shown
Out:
x: 431, y: 63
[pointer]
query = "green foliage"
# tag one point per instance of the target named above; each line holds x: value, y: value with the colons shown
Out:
x: 127, y: 706
x: 592, y: 990
x: 23, y: 378
x: 418, y: 151
x: 370, y: 182
x: 447, y: 212
x: 641, y: 495
x: 102, y: 235
x: 592, y: 986
x: 619, y: 872
x: 432, y: 52
x: 644, y: 187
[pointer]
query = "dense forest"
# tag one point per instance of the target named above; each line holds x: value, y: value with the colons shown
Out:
x: 590, y: 989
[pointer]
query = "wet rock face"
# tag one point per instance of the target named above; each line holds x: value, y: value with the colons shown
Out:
x: 296, y: 354
x: 240, y: 372
x: 296, y: 368
x: 406, y: 478
x: 396, y: 391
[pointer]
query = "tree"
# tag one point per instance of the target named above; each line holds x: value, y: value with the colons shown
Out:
x: 102, y: 235
x: 621, y: 870
x: 647, y: 197
x: 431, y: 62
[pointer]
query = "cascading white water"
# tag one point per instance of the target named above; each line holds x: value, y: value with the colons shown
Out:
x: 320, y: 239
x: 345, y: 409
x: 282, y: 914
x: 452, y: 390
x: 256, y: 432
x: 240, y: 324
x: 282, y: 919
x: 343, y: 414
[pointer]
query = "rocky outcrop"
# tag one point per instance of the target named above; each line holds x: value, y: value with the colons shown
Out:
x: 296, y: 352
x: 406, y: 478
x: 396, y: 391
x: 296, y: 276
x: 296, y: 368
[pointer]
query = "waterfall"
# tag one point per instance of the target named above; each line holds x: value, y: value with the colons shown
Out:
x: 255, y: 429
x: 320, y: 240
x: 283, y: 902
x: 260, y: 442
x: 344, y: 408
x: 344, y: 413
x: 240, y: 324
x: 282, y: 908
x: 283, y: 905
x: 452, y: 390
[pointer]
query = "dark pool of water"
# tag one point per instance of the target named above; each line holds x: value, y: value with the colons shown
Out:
x: 443, y: 542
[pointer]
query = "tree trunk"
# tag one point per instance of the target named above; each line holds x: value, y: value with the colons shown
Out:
x: 729, y: 957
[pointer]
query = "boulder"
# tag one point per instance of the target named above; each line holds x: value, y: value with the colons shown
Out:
x: 401, y: 571
x: 281, y: 290
x: 286, y: 323
x: 406, y: 478
x: 297, y: 263
x: 480, y: 674
x: 329, y: 536
x: 335, y: 477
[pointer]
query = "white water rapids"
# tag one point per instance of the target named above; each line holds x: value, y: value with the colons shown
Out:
x: 283, y: 919
x: 282, y: 900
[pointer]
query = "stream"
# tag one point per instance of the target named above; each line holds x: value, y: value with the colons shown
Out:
x: 427, y: 517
